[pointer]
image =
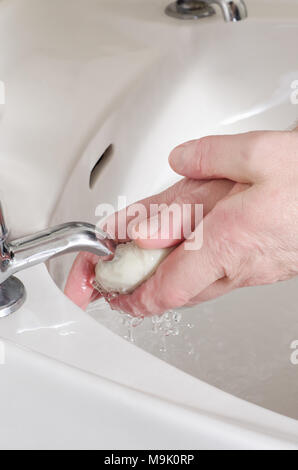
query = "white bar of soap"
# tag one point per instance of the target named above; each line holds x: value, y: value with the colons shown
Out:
x: 129, y: 268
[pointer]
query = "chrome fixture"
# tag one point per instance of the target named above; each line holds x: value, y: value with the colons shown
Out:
x: 235, y: 10
x: 26, y: 252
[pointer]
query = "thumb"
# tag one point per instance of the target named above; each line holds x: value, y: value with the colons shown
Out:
x: 235, y: 157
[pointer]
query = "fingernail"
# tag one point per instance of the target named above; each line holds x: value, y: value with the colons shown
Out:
x: 180, y: 156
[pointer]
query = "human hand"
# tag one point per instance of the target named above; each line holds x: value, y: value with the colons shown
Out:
x: 250, y: 236
x: 79, y: 287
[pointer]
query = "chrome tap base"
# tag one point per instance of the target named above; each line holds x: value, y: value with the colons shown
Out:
x: 12, y: 296
x: 194, y: 11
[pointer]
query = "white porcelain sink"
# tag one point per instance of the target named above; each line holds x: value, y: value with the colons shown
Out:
x: 132, y: 78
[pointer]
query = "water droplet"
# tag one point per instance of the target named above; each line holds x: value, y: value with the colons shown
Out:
x: 163, y: 326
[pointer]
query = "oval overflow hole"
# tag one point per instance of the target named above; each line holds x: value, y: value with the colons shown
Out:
x: 99, y: 165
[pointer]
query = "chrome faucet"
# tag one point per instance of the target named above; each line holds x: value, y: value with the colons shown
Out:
x: 17, y: 255
x: 232, y: 10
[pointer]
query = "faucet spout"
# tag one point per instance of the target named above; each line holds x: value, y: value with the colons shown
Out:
x: 42, y: 246
x: 26, y: 252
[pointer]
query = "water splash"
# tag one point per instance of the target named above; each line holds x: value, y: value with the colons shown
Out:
x: 163, y: 326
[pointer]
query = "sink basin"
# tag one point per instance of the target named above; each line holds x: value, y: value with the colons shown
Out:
x: 204, y: 84
x: 117, y: 108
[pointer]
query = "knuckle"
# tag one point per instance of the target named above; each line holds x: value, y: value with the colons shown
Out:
x: 261, y: 148
x: 226, y: 243
x: 172, y: 297
x: 203, y: 150
x: 255, y: 148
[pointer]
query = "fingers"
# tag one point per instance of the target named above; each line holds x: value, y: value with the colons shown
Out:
x: 236, y: 157
x: 125, y: 224
x: 79, y: 286
x: 176, y: 222
x: 181, y: 277
x: 120, y: 225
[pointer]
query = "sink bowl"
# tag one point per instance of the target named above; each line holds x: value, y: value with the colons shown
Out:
x: 117, y: 108
x: 205, y: 83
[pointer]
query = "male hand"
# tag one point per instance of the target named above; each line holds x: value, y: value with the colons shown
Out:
x: 250, y: 234
x: 79, y: 286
